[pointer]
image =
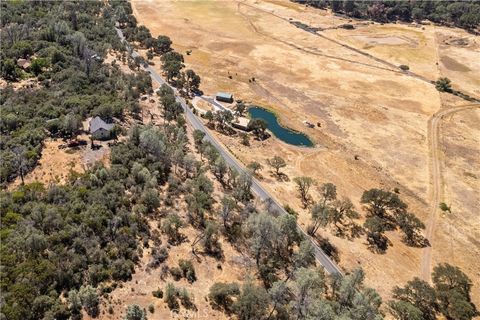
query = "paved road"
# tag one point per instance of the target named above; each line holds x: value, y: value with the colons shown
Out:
x: 436, y: 176
x: 257, y: 188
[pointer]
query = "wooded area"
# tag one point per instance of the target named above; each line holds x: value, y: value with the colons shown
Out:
x: 463, y: 14
x: 65, y: 248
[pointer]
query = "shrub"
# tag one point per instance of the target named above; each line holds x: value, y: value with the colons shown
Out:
x: 220, y: 295
x: 171, y: 296
x: 134, y: 312
x: 110, y: 310
x: 158, y: 293
x: 444, y: 207
x: 170, y: 226
x: 404, y: 67
x: 188, y: 270
x: 151, y: 308
x: 443, y: 85
x: 176, y: 273
x: 290, y: 210
x: 159, y: 255
x: 347, y: 26
x: 186, y: 299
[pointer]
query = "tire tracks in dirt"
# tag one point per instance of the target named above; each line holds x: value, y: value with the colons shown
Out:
x: 436, y: 177
x: 309, y: 51
x: 388, y: 65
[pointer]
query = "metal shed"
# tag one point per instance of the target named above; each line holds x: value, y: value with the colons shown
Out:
x: 224, y: 96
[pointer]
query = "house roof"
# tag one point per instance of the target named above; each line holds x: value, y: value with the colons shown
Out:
x: 224, y: 95
x: 23, y: 63
x: 242, y: 121
x: 97, y: 123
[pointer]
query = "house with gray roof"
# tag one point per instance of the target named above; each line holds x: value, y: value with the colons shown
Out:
x: 99, y: 129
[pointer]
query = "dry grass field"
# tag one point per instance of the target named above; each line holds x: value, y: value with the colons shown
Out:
x: 55, y: 165
x: 366, y: 108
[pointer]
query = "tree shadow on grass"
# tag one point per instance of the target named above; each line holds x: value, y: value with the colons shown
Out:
x: 327, y: 247
x: 281, y: 177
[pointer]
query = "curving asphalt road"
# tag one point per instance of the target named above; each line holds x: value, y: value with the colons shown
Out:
x: 257, y: 188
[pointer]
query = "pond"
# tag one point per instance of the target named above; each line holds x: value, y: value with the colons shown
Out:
x: 286, y: 135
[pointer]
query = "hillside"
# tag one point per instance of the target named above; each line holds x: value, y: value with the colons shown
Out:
x: 119, y: 201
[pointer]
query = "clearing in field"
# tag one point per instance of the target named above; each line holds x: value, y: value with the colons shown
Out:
x: 373, y: 118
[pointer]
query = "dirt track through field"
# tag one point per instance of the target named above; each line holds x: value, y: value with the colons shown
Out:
x: 312, y: 52
x: 437, y: 182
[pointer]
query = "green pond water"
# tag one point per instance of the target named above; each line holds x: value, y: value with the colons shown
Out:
x: 286, y: 135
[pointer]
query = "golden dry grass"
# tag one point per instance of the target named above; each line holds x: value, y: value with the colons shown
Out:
x: 365, y: 108
x: 55, y: 165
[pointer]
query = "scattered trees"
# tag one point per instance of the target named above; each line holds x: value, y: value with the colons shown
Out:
x: 376, y: 238
x: 222, y: 119
x: 210, y: 239
x: 320, y: 218
x: 242, y: 186
x: 458, y: 13
x: 450, y: 296
x: 417, y: 297
x: 103, y: 212
x: 228, y: 205
x: 171, y: 107
x: 385, y: 211
x: 198, y: 136
x: 343, y: 214
x: 411, y: 227
x: 320, y: 211
x: 245, y: 138
x: 271, y: 241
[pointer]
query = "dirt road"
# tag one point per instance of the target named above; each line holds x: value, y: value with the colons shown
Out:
x: 437, y: 183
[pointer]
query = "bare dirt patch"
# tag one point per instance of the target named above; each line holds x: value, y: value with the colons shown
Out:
x: 453, y: 65
x: 459, y: 55
x: 57, y: 164
x: 385, y: 40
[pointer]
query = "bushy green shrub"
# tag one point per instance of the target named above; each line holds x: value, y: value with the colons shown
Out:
x: 188, y: 270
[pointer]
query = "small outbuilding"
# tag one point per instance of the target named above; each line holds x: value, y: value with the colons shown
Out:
x: 241, y: 123
x: 99, y: 129
x: 224, y: 96
x: 24, y: 63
